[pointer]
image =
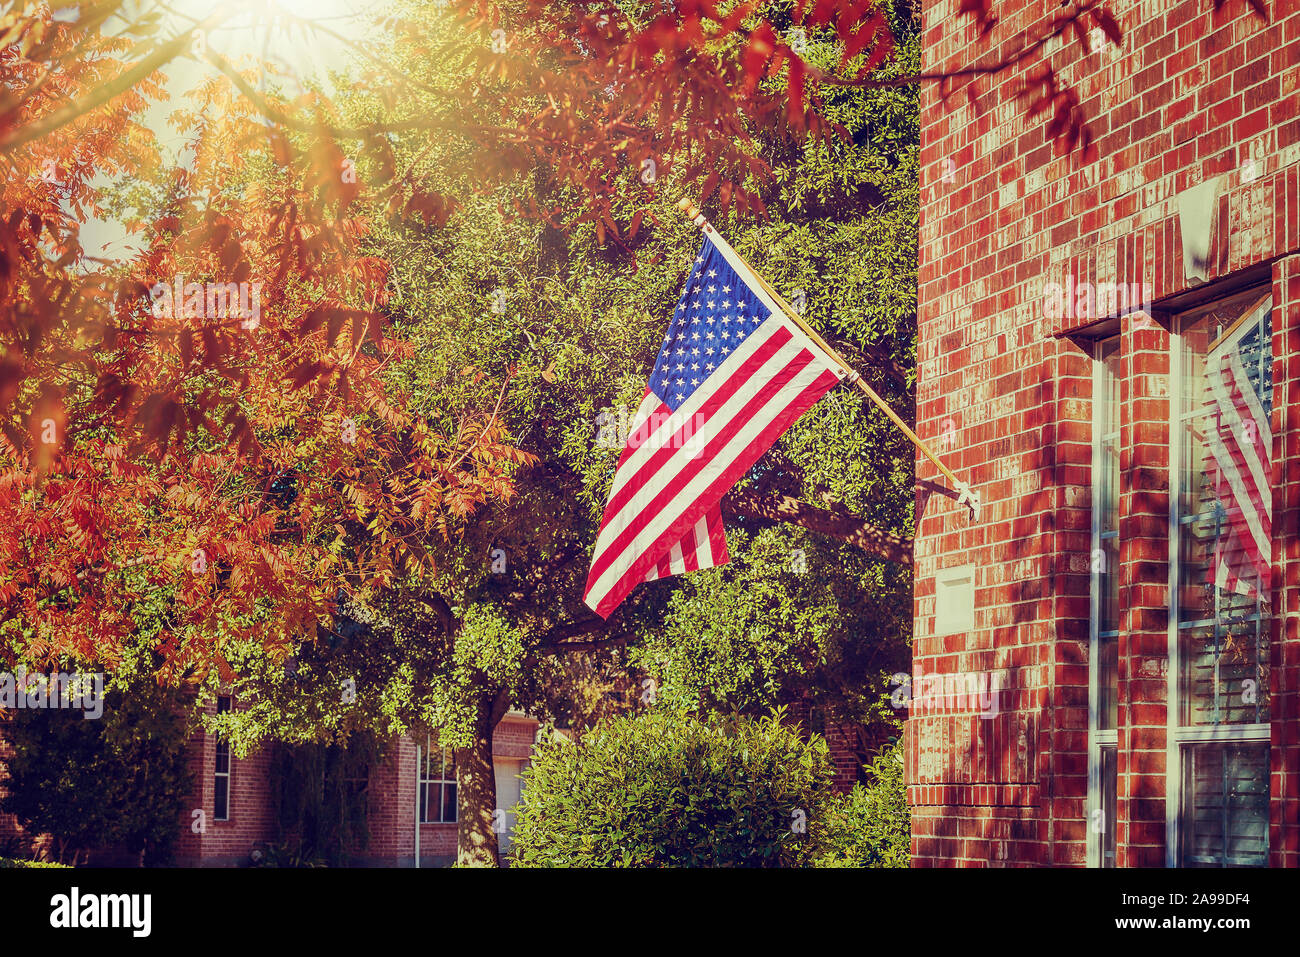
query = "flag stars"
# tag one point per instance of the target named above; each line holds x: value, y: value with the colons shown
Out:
x: 710, y: 367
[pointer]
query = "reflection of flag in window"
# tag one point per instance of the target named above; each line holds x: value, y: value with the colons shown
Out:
x: 1239, y: 377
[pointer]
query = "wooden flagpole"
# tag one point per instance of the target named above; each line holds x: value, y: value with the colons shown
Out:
x: 968, y: 496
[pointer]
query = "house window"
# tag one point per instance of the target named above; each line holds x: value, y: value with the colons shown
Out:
x: 1221, y: 557
x: 1103, y: 660
x: 437, y: 785
x: 221, y: 772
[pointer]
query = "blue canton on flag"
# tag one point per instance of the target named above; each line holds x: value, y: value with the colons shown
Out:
x: 715, y: 314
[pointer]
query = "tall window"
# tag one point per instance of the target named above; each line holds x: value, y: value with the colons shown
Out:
x: 1103, y: 662
x: 1221, y: 553
x: 221, y: 771
x: 437, y: 785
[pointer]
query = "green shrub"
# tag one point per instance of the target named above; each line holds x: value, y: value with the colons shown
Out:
x: 870, y: 826
x: 13, y: 862
x: 669, y: 789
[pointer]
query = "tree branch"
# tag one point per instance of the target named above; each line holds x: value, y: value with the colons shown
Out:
x: 836, y: 523
x: 439, y: 606
x: 555, y: 643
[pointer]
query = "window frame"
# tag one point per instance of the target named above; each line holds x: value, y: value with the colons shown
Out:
x: 225, y: 777
x: 424, y: 782
x: 1099, y: 739
x: 1179, y: 736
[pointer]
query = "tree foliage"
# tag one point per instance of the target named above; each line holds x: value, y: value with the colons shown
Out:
x: 121, y: 779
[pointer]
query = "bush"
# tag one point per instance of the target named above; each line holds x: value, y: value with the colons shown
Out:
x: 669, y: 789
x: 870, y: 826
x: 7, y: 863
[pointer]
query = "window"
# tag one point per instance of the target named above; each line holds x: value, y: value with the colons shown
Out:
x: 1103, y: 659
x: 437, y: 785
x: 954, y: 600
x: 1221, y: 560
x: 221, y: 772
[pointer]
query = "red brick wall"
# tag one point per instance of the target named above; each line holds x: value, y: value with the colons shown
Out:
x: 1192, y: 95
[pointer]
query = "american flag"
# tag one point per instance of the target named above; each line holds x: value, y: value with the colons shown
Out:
x: 1239, y: 375
x: 733, y: 373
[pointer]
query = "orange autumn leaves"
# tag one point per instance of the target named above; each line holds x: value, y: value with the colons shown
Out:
x: 197, y: 443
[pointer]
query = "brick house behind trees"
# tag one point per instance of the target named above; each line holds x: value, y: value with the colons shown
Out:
x: 1134, y: 580
x: 238, y: 803
x: 235, y: 796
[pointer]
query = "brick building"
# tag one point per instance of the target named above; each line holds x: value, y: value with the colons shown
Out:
x: 1105, y: 664
x: 232, y: 811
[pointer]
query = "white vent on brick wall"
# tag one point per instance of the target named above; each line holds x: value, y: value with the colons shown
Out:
x: 954, y: 600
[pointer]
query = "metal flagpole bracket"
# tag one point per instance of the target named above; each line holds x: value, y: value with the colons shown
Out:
x: 968, y: 496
